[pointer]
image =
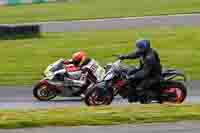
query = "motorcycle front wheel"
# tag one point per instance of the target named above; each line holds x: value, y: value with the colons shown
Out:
x: 42, y: 92
x: 93, y: 97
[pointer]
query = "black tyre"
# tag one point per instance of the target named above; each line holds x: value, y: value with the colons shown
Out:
x: 176, y: 92
x: 92, y: 98
x: 146, y: 99
x: 42, y: 92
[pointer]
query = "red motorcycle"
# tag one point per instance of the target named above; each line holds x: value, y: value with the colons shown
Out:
x: 168, y: 89
x: 52, y: 85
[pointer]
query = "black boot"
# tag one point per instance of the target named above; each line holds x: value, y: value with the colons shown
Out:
x: 143, y: 97
x: 132, y: 99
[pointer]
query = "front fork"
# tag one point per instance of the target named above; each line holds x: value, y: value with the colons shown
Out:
x: 101, y: 87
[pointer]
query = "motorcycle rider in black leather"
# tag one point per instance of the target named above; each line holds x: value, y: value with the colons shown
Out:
x: 149, y: 72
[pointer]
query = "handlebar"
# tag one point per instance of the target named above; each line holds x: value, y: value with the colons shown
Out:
x: 117, y: 55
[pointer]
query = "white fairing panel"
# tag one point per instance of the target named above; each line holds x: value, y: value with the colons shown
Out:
x: 109, y: 76
x: 56, y: 65
x: 97, y: 70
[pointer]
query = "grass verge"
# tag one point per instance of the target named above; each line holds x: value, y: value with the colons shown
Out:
x: 23, y: 60
x: 112, y: 115
x: 91, y: 9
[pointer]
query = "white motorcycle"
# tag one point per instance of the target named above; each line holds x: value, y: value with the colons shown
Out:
x: 52, y: 84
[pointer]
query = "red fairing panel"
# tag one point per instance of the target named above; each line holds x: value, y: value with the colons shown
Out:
x: 71, y: 68
x: 120, y: 84
x: 44, y: 82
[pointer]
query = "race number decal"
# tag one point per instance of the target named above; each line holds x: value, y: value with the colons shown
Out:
x: 97, y: 70
x: 94, y: 67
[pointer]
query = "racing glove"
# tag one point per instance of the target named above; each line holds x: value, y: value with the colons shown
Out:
x: 121, y: 57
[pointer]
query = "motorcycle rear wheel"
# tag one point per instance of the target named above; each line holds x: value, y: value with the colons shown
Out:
x: 178, y: 90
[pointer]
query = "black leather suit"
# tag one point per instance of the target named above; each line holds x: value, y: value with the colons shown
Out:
x: 149, y: 71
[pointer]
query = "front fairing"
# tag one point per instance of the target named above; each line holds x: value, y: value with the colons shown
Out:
x: 49, y: 71
x: 107, y: 67
x: 112, y: 70
x: 48, y: 75
x: 109, y: 76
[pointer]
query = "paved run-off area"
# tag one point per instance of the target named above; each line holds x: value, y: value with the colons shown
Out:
x: 120, y: 23
x: 179, y: 127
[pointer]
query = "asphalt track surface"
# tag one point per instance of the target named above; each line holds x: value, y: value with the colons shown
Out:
x: 121, y: 23
x: 117, y: 23
x: 21, y: 97
x: 178, y: 127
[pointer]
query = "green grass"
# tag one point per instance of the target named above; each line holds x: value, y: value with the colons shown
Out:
x: 110, y: 115
x: 23, y: 60
x: 90, y: 9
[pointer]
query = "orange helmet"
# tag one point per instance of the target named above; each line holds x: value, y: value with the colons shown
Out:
x: 79, y: 58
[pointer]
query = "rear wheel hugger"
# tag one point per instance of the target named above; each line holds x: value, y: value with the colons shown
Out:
x: 180, y: 86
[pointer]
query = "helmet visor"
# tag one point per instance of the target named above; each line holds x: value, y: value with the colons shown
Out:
x: 76, y: 62
x: 140, y: 50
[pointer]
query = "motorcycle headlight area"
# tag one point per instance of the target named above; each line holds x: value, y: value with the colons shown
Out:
x: 49, y: 74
